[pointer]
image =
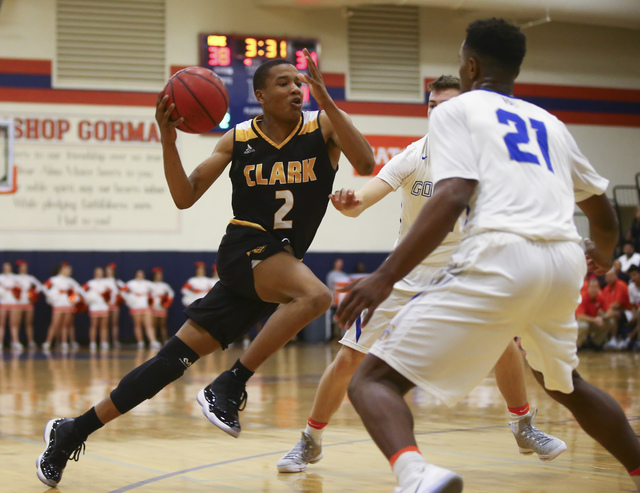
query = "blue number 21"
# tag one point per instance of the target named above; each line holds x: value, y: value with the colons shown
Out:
x: 521, y: 136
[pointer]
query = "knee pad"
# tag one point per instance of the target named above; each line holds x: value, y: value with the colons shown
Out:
x: 151, y: 377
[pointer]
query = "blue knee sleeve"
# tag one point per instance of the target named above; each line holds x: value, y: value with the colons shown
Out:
x: 151, y: 377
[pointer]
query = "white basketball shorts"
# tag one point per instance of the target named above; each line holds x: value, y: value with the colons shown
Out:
x: 497, y: 286
x: 403, y: 292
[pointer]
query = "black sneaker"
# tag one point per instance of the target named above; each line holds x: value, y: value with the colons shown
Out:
x: 221, y: 404
x: 63, y: 444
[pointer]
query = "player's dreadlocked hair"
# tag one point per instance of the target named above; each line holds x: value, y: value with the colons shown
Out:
x: 444, y: 82
x: 498, y: 40
x: 260, y: 77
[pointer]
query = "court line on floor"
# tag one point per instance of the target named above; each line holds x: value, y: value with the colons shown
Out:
x: 556, y: 464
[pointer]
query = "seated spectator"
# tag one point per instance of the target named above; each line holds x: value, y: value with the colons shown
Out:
x: 634, y: 298
x: 633, y: 235
x: 616, y: 295
x: 629, y: 257
x: 593, y: 326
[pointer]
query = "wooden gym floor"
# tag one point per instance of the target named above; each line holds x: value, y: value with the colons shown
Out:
x: 166, y: 444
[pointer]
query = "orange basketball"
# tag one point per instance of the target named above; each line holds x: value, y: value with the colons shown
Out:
x: 200, y: 98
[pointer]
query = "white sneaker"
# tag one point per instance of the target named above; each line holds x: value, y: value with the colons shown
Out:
x: 155, y: 345
x: 104, y: 346
x: 75, y: 345
x: 612, y: 344
x: 46, y: 347
x: 64, y: 347
x: 530, y: 439
x: 306, y: 451
x: 622, y: 345
x: 435, y: 480
x: 141, y: 345
x: 93, y: 347
x: 17, y: 347
x: 32, y: 345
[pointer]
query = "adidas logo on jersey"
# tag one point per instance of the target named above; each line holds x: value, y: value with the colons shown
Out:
x: 249, y: 149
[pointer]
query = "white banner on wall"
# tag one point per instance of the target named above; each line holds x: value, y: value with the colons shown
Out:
x: 86, y: 173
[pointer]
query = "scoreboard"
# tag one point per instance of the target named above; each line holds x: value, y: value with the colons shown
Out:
x: 235, y: 58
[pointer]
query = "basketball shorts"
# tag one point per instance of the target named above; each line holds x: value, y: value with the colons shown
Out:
x: 497, y: 286
x: 361, y: 339
x: 232, y: 307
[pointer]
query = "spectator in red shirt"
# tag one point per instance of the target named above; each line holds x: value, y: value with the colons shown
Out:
x: 592, y: 322
x: 616, y: 295
x: 634, y: 298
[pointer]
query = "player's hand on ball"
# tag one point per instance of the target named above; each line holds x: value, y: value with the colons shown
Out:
x: 345, y: 199
x: 168, y: 132
x: 364, y: 294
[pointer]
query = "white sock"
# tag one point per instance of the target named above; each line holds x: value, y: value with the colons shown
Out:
x: 315, y: 433
x: 408, y: 468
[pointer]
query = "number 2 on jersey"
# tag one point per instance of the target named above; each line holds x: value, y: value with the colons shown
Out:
x: 521, y: 136
x: 278, y: 218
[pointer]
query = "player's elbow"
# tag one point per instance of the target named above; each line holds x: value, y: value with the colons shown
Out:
x: 366, y: 166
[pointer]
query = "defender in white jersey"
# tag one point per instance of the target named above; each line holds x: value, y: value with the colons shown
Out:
x: 518, y: 270
x: 409, y: 172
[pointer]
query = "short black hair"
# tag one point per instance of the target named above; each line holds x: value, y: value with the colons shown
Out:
x: 633, y: 268
x: 260, y: 77
x: 444, y: 82
x: 495, y: 38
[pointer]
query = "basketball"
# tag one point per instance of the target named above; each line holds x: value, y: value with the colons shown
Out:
x: 200, y: 98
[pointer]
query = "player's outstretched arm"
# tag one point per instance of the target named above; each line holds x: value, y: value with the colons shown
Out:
x: 353, y: 204
x: 603, y: 226
x: 186, y: 190
x: 342, y: 132
x: 436, y: 219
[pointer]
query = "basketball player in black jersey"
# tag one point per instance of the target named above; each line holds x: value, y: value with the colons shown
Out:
x: 282, y: 168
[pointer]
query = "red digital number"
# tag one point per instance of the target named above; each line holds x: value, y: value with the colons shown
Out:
x: 219, y: 56
x: 301, y: 61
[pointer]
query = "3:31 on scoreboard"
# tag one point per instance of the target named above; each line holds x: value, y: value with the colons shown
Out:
x: 235, y: 59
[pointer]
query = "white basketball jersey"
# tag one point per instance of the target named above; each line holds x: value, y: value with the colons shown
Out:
x: 528, y: 167
x: 411, y: 171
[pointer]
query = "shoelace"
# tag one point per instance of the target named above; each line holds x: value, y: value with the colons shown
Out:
x: 239, y: 400
x: 75, y: 454
x: 300, y: 448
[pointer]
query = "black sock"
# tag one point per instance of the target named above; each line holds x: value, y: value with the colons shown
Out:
x: 240, y: 373
x: 87, y: 423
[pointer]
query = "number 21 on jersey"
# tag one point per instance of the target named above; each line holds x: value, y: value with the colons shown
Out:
x: 521, y: 136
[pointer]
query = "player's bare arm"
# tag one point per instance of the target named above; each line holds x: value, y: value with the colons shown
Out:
x: 603, y: 224
x: 353, y: 204
x: 186, y: 190
x: 337, y: 127
x: 437, y: 218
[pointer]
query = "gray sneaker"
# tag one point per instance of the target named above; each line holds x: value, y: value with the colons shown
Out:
x: 530, y: 439
x: 306, y: 451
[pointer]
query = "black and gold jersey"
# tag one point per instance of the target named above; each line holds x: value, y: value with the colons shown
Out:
x: 283, y: 189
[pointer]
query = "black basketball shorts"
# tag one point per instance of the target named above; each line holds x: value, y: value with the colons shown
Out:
x: 232, y: 306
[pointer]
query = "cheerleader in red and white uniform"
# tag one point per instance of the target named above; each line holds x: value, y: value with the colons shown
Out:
x: 116, y: 300
x: 199, y: 285
x: 30, y: 289
x: 97, y: 295
x: 63, y: 293
x: 162, y: 298
x: 137, y: 294
x: 8, y: 302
